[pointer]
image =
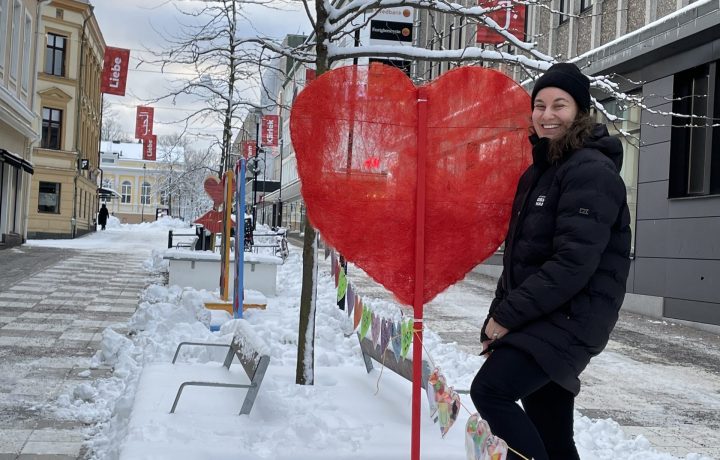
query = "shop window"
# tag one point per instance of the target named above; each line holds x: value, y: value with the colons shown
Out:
x: 49, y: 197
x: 126, y: 192
x: 695, y: 143
x: 51, y: 128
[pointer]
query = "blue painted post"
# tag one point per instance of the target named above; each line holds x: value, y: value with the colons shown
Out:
x: 238, y: 295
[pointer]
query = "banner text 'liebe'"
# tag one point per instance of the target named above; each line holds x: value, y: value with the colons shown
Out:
x: 354, y: 131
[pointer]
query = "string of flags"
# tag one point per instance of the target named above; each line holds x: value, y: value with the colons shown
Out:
x: 444, y: 402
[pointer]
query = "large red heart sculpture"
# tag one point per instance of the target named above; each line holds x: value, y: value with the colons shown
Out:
x: 354, y: 131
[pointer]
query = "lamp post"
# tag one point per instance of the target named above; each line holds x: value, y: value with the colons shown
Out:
x: 142, y: 196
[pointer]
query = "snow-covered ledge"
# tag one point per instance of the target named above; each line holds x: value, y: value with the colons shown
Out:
x: 201, y: 270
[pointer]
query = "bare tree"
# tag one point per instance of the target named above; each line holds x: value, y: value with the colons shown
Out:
x: 112, y: 129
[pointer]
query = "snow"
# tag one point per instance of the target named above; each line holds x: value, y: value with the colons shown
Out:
x: 347, y: 414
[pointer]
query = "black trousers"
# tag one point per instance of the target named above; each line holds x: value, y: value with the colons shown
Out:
x: 544, y: 430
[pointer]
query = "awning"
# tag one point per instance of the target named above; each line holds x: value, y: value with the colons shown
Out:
x: 16, y: 160
x: 106, y: 192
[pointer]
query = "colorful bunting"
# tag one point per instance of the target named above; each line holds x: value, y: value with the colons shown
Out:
x: 342, y: 284
x: 396, y: 340
x: 350, y: 300
x: 375, y: 330
x: 480, y: 444
x: 407, y: 336
x: 358, y: 312
x: 385, y: 334
x: 365, y: 322
x: 443, y: 400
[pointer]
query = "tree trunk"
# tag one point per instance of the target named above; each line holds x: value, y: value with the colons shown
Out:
x: 305, y: 371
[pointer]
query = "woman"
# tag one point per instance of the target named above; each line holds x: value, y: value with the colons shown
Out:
x: 103, y: 216
x: 565, y: 267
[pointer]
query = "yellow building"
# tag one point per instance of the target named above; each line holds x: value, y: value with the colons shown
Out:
x: 63, y: 194
x: 18, y: 24
x: 136, y: 190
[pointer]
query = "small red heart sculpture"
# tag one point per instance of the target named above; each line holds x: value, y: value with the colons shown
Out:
x: 212, y: 221
x: 215, y: 190
x: 354, y: 131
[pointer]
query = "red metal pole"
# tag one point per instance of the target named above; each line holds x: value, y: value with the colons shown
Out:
x: 419, y: 272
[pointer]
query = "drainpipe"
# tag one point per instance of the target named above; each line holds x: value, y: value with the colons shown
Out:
x: 78, y: 99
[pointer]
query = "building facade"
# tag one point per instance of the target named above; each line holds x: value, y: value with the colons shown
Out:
x: 667, y: 52
x: 18, y: 27
x: 63, y: 195
x: 137, y: 190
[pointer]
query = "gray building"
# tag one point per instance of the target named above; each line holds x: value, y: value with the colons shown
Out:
x: 668, y: 52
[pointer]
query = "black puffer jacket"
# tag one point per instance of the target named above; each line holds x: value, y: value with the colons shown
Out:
x: 567, y: 257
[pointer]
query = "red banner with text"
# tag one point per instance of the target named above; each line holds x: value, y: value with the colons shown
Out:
x: 150, y: 148
x: 248, y: 149
x: 510, y: 17
x: 144, y: 122
x: 115, y: 69
x: 270, y: 130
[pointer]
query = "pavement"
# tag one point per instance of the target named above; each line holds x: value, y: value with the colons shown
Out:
x: 656, y: 378
x: 54, y: 305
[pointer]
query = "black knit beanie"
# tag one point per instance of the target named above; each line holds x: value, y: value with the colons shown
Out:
x: 567, y: 77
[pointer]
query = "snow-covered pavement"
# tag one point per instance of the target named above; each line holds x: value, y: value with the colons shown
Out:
x: 667, y: 408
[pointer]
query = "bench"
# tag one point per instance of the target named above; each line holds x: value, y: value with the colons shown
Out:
x: 187, y: 244
x: 253, y: 356
x: 403, y: 367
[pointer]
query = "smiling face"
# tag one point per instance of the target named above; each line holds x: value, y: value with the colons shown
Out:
x: 554, y: 110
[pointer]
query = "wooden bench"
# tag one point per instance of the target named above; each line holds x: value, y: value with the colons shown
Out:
x: 403, y: 367
x: 252, y: 353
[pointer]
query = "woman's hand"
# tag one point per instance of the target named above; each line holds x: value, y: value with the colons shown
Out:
x: 494, y: 330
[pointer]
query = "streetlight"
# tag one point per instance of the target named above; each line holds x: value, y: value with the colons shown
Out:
x: 142, y: 196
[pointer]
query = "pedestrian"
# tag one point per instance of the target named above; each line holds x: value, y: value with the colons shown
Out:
x: 565, y: 267
x: 103, y: 216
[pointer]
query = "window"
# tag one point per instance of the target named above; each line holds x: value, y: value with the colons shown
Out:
x: 27, y: 43
x: 51, y: 127
x: 126, y: 192
x: 164, y: 198
x: 585, y: 4
x: 15, y: 39
x: 695, y: 143
x: 49, y: 197
x: 628, y: 123
x: 145, y: 193
x: 3, y: 29
x: 55, y: 55
x: 563, y: 9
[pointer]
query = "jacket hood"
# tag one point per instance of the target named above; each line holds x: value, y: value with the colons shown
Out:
x: 609, y: 146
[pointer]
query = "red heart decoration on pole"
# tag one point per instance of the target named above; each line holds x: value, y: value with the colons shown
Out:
x: 215, y: 190
x: 354, y: 131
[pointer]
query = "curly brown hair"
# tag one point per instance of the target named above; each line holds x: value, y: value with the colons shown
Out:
x: 573, y: 138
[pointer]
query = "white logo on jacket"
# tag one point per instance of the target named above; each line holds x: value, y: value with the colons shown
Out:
x: 540, y: 200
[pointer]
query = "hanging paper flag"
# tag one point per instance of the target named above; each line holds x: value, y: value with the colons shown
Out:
x: 497, y: 449
x: 385, y: 334
x: 480, y: 443
x: 375, y: 331
x: 342, y: 288
x: 115, y: 68
x: 337, y: 275
x: 365, y: 322
x: 358, y: 312
x: 350, y: 298
x: 396, y: 340
x: 433, y: 381
x: 407, y: 336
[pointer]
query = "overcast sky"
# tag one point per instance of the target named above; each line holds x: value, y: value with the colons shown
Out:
x: 133, y: 24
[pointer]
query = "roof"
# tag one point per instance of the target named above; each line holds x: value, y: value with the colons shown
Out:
x: 133, y: 151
